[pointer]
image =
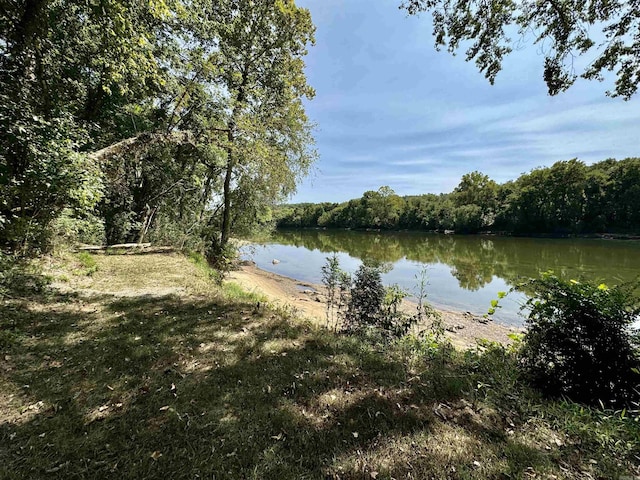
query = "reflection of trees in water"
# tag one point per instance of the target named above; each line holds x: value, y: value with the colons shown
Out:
x: 475, y: 260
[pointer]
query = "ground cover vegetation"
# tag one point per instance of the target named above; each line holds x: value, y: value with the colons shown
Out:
x: 567, y: 198
x: 180, y: 122
x: 579, y: 340
x: 140, y: 366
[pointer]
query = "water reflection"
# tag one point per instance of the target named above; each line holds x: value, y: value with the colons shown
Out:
x: 475, y: 260
x: 466, y: 272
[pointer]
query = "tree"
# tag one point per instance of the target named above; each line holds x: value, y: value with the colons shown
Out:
x: 66, y: 70
x: 193, y: 112
x: 479, y: 191
x: 564, y: 29
x: 256, y: 50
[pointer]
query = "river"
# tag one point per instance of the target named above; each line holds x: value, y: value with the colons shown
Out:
x: 465, y: 272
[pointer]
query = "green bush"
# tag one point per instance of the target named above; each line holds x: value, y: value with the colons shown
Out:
x: 580, y: 342
x: 365, y: 306
x: 71, y: 229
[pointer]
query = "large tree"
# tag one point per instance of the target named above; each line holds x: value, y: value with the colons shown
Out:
x: 255, y: 49
x: 193, y: 111
x: 609, y: 31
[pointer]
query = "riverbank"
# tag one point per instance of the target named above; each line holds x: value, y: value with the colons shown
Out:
x: 140, y: 366
x: 309, y: 300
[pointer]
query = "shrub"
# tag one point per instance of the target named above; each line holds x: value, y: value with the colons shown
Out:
x: 71, y: 229
x: 580, y: 342
x: 222, y: 258
x: 19, y: 277
x: 366, y: 306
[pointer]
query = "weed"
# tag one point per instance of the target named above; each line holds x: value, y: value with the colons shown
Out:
x: 88, y: 263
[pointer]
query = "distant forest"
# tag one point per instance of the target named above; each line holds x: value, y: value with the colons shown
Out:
x: 567, y: 198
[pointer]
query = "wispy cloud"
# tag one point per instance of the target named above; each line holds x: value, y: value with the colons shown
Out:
x: 392, y: 111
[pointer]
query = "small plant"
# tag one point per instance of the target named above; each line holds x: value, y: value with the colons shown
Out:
x: 495, y: 304
x: 88, y: 263
x: 580, y: 343
x: 222, y: 259
x: 366, y: 306
x: 20, y: 277
x: 333, y: 280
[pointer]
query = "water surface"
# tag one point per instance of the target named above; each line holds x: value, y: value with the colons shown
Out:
x: 465, y: 272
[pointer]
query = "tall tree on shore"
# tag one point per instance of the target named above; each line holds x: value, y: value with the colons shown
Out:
x: 258, y: 48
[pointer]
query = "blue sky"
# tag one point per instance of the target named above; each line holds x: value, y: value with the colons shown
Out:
x: 391, y: 110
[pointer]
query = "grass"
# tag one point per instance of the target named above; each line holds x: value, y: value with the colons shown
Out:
x: 87, y: 262
x: 148, y: 369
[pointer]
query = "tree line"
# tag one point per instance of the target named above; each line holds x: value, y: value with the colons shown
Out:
x: 176, y: 120
x: 566, y: 198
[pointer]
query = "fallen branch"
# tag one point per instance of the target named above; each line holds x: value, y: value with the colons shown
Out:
x: 117, y: 245
x: 177, y: 137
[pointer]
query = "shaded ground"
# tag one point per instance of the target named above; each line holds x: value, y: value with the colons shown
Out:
x: 140, y: 367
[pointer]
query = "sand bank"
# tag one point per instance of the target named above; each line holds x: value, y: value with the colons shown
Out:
x: 308, y: 300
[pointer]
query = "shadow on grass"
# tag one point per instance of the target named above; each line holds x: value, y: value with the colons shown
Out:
x: 143, y: 387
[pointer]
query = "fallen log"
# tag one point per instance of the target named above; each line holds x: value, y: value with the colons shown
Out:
x: 117, y: 245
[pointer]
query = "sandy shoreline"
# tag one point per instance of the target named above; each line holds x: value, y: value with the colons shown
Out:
x: 308, y: 300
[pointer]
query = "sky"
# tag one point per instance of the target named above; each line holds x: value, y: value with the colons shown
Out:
x: 391, y: 110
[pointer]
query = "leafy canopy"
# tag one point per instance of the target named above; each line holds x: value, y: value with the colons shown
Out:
x: 565, y: 29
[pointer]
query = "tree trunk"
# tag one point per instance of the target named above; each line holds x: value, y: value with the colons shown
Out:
x: 226, y: 212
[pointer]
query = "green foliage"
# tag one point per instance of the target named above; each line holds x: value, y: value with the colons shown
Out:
x: 88, y: 263
x: 364, y: 306
x: 364, y: 309
x: 567, y: 198
x: 65, y: 69
x: 202, y: 263
x: 71, y: 229
x: 222, y: 258
x: 579, y: 341
x: 337, y: 283
x: 566, y: 29
x: 193, y: 112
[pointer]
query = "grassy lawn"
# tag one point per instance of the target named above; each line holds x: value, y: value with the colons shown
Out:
x: 139, y: 366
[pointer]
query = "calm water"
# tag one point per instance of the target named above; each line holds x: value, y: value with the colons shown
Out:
x: 464, y: 272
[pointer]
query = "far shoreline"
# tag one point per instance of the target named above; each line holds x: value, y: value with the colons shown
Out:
x: 488, y: 233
